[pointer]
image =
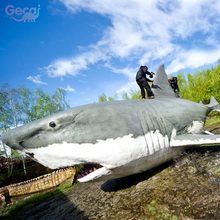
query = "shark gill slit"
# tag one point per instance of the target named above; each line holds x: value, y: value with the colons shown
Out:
x: 163, y: 128
x: 146, y: 131
x: 163, y: 123
x: 159, y: 129
x: 152, y: 134
x: 148, y: 140
x: 156, y: 130
x: 153, y: 127
x: 139, y: 116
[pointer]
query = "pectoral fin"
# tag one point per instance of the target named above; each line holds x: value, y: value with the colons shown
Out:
x: 195, y: 140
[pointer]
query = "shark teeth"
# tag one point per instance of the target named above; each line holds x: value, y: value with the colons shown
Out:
x: 87, y: 169
x: 93, y: 173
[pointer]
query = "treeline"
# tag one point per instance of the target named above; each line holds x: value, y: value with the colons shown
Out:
x: 201, y: 85
x: 125, y: 96
x: 22, y: 105
x: 197, y: 87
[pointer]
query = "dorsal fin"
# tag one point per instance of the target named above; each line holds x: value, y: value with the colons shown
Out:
x: 213, y: 102
x: 213, y: 105
x: 161, y: 86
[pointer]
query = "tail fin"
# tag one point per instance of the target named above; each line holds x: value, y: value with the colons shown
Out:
x: 213, y: 105
x: 161, y: 86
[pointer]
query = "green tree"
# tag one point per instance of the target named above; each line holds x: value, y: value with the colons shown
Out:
x: 21, y: 105
x: 10, y: 114
x: 45, y: 104
x: 27, y: 100
x: 102, y: 98
x: 201, y: 85
x: 111, y: 99
x: 135, y: 94
x: 125, y: 96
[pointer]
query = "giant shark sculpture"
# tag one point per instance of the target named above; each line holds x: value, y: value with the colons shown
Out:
x: 122, y: 137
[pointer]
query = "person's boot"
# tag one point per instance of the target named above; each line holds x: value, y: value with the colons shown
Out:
x: 151, y: 97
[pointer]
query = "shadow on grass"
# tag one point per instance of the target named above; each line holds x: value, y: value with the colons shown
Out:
x: 49, y: 205
x: 129, y: 181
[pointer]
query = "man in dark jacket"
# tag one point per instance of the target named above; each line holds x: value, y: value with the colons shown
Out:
x: 174, y: 84
x: 142, y: 81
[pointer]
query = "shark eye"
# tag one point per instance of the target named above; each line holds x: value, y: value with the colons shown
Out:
x: 52, y: 124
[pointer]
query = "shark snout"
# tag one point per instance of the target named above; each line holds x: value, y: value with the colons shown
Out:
x: 20, y: 137
x: 16, y: 138
x: 9, y: 139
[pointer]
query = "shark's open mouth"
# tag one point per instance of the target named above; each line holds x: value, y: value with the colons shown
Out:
x: 92, y: 172
x: 88, y: 169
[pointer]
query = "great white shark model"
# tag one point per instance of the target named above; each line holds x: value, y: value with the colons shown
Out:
x: 121, y: 137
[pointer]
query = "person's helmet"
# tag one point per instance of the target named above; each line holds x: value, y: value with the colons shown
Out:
x: 142, y: 67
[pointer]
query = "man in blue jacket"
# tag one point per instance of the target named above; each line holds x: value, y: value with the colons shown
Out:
x: 142, y: 81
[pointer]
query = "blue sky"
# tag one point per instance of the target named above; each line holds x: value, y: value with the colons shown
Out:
x: 92, y: 47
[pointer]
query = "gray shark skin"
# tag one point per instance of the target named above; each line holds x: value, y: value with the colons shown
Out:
x: 124, y: 137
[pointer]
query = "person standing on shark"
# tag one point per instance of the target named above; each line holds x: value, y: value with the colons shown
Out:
x: 142, y: 82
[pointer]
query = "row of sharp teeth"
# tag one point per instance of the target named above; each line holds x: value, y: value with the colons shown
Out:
x: 87, y: 171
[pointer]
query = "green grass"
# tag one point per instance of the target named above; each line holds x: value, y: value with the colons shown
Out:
x: 155, y: 211
x: 212, y: 120
x: 33, y: 200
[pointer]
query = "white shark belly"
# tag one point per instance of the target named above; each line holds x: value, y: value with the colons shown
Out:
x: 122, y: 156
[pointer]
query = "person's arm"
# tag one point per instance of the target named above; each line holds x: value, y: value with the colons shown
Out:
x: 150, y: 74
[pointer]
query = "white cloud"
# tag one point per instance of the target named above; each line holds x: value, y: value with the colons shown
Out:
x: 72, y: 66
x: 69, y: 88
x: 193, y: 59
x: 147, y: 32
x: 126, y: 71
x: 36, y: 79
x: 128, y: 88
